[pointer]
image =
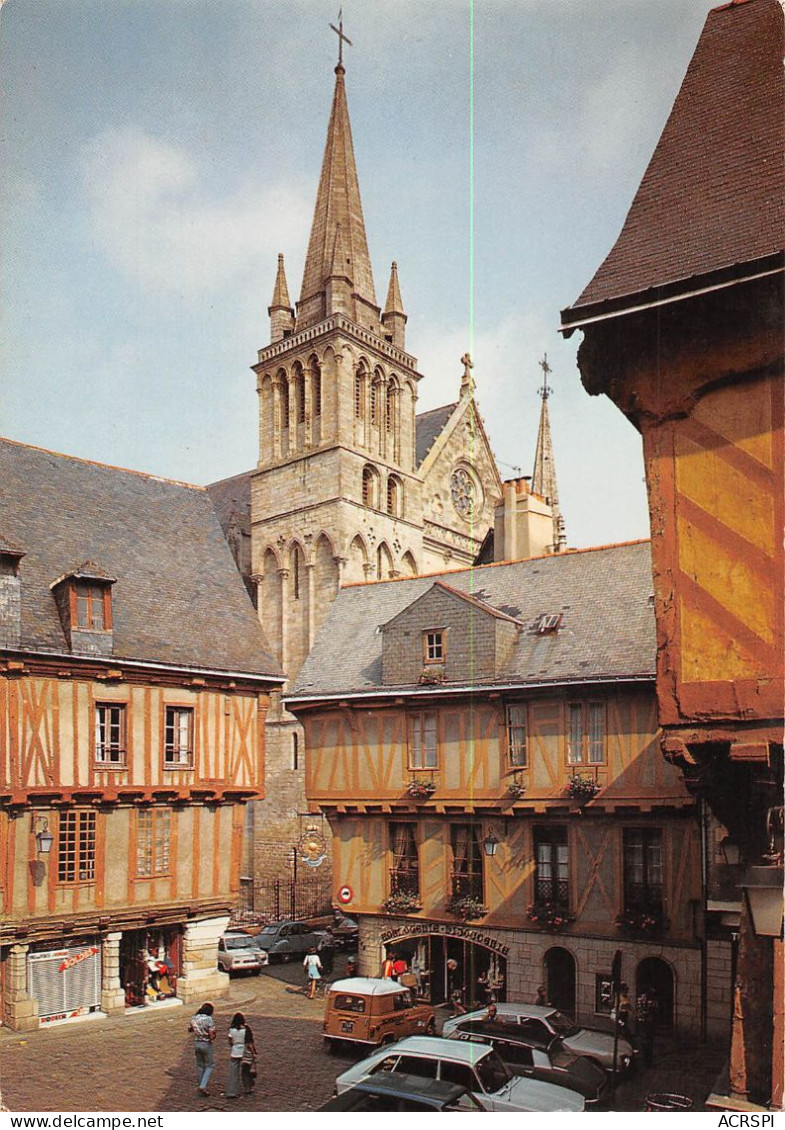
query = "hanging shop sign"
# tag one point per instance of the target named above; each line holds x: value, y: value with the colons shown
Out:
x: 346, y: 894
x: 447, y: 930
x: 312, y: 847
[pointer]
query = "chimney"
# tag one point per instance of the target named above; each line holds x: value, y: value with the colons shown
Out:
x: 522, y: 523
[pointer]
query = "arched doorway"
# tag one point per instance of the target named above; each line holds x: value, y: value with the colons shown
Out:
x: 655, y: 976
x: 560, y: 979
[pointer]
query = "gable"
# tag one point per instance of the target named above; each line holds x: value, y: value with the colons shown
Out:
x: 460, y: 467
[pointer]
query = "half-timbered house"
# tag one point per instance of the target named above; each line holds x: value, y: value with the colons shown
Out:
x: 485, y: 746
x: 134, y: 683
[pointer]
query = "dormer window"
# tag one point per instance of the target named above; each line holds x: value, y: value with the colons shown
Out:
x: 549, y: 623
x: 434, y: 648
x: 93, y: 606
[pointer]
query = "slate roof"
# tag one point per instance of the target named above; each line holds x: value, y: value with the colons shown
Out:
x: 178, y: 600
x: 429, y: 426
x: 607, y: 629
x: 233, y: 496
x: 712, y: 195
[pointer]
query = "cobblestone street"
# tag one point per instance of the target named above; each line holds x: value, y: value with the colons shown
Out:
x: 143, y: 1062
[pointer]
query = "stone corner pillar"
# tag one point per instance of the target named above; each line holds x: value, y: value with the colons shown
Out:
x: 201, y: 979
x: 112, y: 992
x: 21, y: 1010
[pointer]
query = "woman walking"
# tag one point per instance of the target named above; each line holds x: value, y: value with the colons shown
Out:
x: 248, y: 1068
x: 238, y: 1037
x: 313, y: 967
x: 203, y: 1027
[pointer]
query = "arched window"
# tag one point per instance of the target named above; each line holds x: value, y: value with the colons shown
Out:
x: 389, y: 416
x: 359, y: 397
x: 296, y: 574
x: 299, y: 391
x: 369, y: 484
x: 316, y: 387
x: 374, y: 402
x: 394, y: 496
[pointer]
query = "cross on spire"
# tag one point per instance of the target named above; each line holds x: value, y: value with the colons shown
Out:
x: 467, y: 384
x: 341, y: 37
x: 546, y: 390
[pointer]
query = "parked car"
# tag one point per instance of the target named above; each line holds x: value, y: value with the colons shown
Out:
x: 238, y: 954
x: 542, y: 1023
x: 475, y: 1066
x: 287, y: 940
x: 373, y: 1010
x: 398, y: 1091
x: 552, y: 1062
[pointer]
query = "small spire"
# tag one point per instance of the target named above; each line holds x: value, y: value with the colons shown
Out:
x: 281, y: 298
x: 467, y: 384
x: 394, y: 303
x: 544, y: 476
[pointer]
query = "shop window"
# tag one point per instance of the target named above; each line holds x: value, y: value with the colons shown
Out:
x: 433, y: 646
x: 76, y: 847
x: 405, y: 871
x: 153, y: 829
x: 110, y: 733
x: 467, y: 856
x: 603, y: 993
x: 551, y: 866
x: 643, y: 869
x: 586, y: 733
x: 178, y: 737
x: 422, y: 742
x: 517, y: 736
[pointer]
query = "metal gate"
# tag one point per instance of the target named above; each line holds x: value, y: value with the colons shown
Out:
x: 284, y: 898
x: 66, y: 982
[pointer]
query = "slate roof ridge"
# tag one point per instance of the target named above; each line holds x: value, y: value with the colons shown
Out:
x: 441, y: 408
x: 572, y: 552
x: 231, y: 478
x: 483, y: 605
x: 103, y: 466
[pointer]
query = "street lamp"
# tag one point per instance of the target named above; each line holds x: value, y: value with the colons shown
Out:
x: 490, y: 844
x: 43, y: 837
x: 763, y: 887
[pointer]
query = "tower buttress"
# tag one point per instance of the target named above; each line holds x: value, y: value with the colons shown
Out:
x: 544, y: 475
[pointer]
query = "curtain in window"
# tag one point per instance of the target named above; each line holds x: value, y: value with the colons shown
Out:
x: 575, y: 734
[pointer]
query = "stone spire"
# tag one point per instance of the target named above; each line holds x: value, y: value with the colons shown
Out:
x: 544, y: 476
x: 393, y: 318
x: 338, y: 204
x: 280, y: 309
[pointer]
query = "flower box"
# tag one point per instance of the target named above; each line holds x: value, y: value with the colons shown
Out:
x: 420, y: 790
x: 582, y: 788
x: 401, y: 902
x: 549, y: 915
x: 644, y: 922
x: 467, y: 907
x: 515, y: 790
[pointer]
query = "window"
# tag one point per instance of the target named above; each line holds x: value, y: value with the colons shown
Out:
x: 178, y: 737
x: 317, y: 390
x: 642, y: 869
x: 295, y: 752
x: 433, y: 646
x: 76, y: 847
x: 359, y: 398
x: 517, y: 749
x: 389, y: 407
x: 110, y: 733
x: 368, y: 486
x: 394, y: 495
x: 586, y: 733
x: 422, y: 741
x: 152, y: 842
x: 405, y: 870
x: 300, y: 396
x: 551, y: 866
x: 467, y: 855
x: 284, y: 393
x: 374, y: 402
x: 92, y: 605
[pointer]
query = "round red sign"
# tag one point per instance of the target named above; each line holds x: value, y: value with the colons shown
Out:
x: 346, y: 894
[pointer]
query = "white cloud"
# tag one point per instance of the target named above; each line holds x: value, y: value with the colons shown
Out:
x: 152, y: 219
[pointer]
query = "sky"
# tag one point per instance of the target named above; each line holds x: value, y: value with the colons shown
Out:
x: 156, y: 155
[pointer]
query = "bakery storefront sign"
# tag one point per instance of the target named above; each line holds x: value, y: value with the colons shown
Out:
x: 445, y: 930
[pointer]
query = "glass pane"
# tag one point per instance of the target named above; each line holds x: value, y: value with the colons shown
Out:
x: 575, y: 734
x: 596, y: 732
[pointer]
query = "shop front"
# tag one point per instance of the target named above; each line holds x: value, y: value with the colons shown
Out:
x: 65, y: 982
x: 450, y: 962
x: 150, y: 964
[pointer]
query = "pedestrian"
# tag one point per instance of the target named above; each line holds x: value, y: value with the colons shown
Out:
x: 542, y: 996
x: 483, y: 988
x: 400, y: 966
x: 238, y: 1034
x: 492, y: 1014
x: 458, y: 1007
x: 351, y: 965
x: 623, y: 1009
x: 388, y: 965
x: 248, y: 1066
x: 646, y: 1010
x: 313, y: 968
x: 452, y: 974
x: 203, y: 1027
